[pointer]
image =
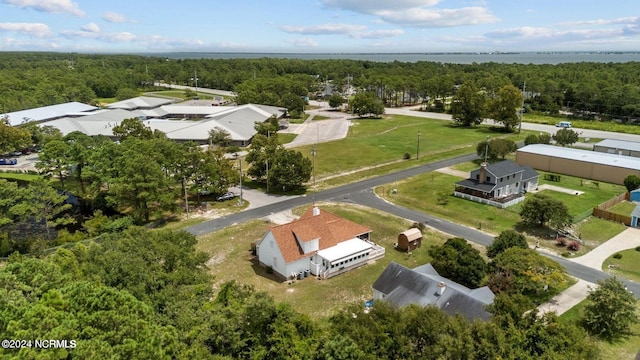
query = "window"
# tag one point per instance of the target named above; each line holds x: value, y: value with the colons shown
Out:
x: 488, y: 178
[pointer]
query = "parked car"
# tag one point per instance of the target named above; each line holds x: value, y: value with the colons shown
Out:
x: 226, y: 196
x: 26, y: 151
x: 16, y: 153
x: 7, y: 161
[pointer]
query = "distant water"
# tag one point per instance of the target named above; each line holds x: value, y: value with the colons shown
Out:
x: 450, y: 58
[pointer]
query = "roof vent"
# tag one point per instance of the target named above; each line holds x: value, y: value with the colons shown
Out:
x: 441, y: 288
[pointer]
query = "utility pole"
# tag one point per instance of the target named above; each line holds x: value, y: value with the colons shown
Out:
x: 418, y: 149
x: 524, y: 91
x: 313, y: 165
x: 186, y: 201
x: 195, y: 79
x: 240, y: 202
x: 267, y: 156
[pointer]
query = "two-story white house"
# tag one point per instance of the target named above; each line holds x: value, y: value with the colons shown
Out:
x: 318, y: 243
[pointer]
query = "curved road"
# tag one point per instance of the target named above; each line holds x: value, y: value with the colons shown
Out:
x: 361, y: 193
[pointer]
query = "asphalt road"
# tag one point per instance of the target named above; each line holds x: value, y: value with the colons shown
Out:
x: 361, y: 193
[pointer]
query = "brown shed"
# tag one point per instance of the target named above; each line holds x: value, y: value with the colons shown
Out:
x: 409, y: 240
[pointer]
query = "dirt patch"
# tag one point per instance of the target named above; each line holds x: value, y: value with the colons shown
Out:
x: 557, y: 188
x: 454, y: 172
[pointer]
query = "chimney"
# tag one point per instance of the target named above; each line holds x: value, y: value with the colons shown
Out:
x: 483, y: 172
x: 441, y: 288
x: 316, y: 211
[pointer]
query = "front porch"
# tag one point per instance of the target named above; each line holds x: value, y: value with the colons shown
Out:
x: 488, y: 198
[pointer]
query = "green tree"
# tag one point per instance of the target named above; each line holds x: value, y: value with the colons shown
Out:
x: 504, y: 107
x: 632, y: 182
x: 79, y: 149
x: 469, y: 105
x: 335, y: 101
x: 289, y: 170
x: 54, y: 159
x: 12, y: 138
x: 366, y: 103
x: 541, y: 210
x: 41, y: 202
x: 526, y: 272
x: 566, y: 137
x: 132, y: 127
x: 495, y: 148
x: 264, y: 152
x: 610, y: 309
x: 505, y: 240
x: 459, y: 261
x: 126, y: 93
x: 219, y: 137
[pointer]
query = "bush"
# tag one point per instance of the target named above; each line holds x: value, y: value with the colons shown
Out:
x: 561, y: 241
x: 617, y: 256
x: 573, y: 246
x: 637, y: 248
x: 406, y: 156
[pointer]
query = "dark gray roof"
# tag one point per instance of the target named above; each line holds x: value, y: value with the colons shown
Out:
x: 403, y: 286
x: 476, y: 185
x: 529, y: 173
x: 504, y: 168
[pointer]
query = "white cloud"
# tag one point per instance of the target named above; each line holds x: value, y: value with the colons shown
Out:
x: 91, y: 27
x: 374, y: 6
x: 437, y: 18
x: 377, y: 34
x: 324, y: 29
x: 417, y: 13
x: 31, y: 29
x: 304, y: 42
x: 114, y: 17
x: 625, y: 20
x: 48, y: 6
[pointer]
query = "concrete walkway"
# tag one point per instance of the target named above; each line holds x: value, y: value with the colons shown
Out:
x: 628, y: 239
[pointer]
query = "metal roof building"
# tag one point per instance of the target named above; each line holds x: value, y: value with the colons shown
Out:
x: 140, y: 102
x: 620, y: 147
x: 46, y: 113
x: 584, y: 164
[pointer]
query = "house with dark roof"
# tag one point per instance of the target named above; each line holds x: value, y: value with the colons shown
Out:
x: 423, y: 286
x: 318, y: 243
x: 501, y: 184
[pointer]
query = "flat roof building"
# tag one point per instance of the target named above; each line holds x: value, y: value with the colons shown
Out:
x: 584, y: 164
x: 619, y: 147
x: 47, y: 113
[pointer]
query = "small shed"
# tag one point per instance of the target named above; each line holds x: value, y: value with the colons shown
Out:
x: 634, y: 195
x: 635, y: 216
x: 409, y: 240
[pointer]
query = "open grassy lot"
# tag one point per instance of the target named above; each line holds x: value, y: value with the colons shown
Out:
x: 433, y: 193
x: 626, y: 266
x: 378, y: 141
x: 19, y: 176
x: 231, y: 259
x: 595, y: 231
x: 625, y: 348
x: 286, y: 138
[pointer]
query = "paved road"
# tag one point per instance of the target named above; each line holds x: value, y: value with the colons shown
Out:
x: 361, y: 193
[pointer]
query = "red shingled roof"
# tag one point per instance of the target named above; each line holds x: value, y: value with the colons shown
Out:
x: 330, y: 229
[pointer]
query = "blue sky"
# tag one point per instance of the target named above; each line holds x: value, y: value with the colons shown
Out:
x: 319, y: 25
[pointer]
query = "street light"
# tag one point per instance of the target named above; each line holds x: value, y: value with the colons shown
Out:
x: 418, y: 149
x: 267, y: 156
x: 240, y: 202
x: 195, y: 78
x: 313, y: 165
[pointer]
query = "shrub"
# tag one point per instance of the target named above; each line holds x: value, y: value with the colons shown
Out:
x: 617, y: 256
x: 406, y: 156
x: 561, y: 241
x: 637, y: 248
x: 573, y: 246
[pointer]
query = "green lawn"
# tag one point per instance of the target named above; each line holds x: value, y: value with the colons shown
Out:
x: 626, y: 266
x: 19, y: 176
x: 623, y: 208
x: 625, y: 348
x: 378, y: 141
x: 231, y: 259
x: 595, y: 231
x: 286, y: 138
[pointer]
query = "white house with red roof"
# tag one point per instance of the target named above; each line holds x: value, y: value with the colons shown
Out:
x: 318, y: 243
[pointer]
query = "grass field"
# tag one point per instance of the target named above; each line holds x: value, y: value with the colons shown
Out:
x: 286, y: 138
x: 19, y: 176
x: 626, y: 266
x: 623, y: 208
x: 231, y: 259
x: 378, y: 141
x: 625, y: 348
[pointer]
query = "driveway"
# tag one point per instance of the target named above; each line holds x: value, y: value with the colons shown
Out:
x: 628, y: 239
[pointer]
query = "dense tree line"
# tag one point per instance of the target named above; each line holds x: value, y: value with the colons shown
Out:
x: 146, y: 294
x: 608, y: 90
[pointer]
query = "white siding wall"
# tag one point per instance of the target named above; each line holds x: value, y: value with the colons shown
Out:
x: 269, y: 254
x: 297, y: 266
